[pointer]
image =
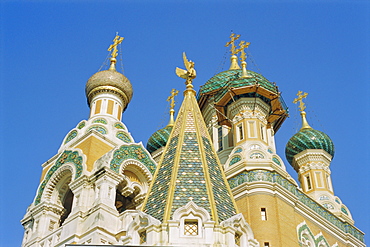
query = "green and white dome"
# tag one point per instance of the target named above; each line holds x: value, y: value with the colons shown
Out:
x: 159, y: 139
x: 308, y: 139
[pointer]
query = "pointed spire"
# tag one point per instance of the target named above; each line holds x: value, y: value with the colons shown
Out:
x: 171, y: 98
x: 302, y: 107
x: 189, y: 169
x: 113, y: 47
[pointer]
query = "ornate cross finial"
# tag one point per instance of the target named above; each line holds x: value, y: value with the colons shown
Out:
x: 116, y: 41
x: 301, y: 96
x: 242, y: 46
x: 171, y: 98
x: 233, y: 38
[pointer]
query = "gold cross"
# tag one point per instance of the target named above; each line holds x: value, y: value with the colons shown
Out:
x: 301, y: 96
x: 171, y: 98
x: 116, y: 41
x: 242, y: 46
x: 233, y: 38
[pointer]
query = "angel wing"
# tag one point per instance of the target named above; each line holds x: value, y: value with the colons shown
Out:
x: 186, y: 62
x: 181, y: 73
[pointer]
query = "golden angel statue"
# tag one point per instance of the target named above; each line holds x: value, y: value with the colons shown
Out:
x: 189, y: 74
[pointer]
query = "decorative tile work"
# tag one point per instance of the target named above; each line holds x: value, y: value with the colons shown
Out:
x: 273, y: 177
x: 159, y: 139
x: 161, y: 184
x: 124, y: 137
x: 119, y: 126
x: 81, y: 125
x: 344, y: 210
x: 319, y: 240
x: 64, y: 158
x: 190, y: 179
x: 256, y: 156
x: 232, y: 79
x: 235, y: 160
x: 328, y: 206
x: 133, y: 151
x: 70, y: 136
x: 98, y: 128
x: 224, y: 205
x: 100, y: 120
x: 308, y: 139
x: 238, y: 150
x: 276, y: 161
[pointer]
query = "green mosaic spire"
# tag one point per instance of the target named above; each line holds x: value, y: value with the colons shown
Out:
x: 189, y: 170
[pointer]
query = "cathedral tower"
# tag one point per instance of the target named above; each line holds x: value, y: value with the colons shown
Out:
x: 98, y: 172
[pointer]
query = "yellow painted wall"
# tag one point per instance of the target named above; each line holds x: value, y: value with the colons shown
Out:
x: 93, y: 148
x: 280, y: 229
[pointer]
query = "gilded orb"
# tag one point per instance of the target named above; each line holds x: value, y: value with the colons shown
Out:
x: 109, y: 81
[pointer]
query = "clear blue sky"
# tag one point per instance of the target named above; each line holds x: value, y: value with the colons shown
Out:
x: 49, y: 49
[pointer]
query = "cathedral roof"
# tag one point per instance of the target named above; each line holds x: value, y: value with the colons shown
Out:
x: 189, y: 170
x: 232, y: 78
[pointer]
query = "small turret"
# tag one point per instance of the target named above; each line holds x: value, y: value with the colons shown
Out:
x: 310, y: 153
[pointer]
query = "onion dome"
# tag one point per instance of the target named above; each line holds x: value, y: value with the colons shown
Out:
x: 109, y: 81
x: 159, y: 139
x: 233, y: 79
x: 227, y: 86
x: 308, y: 139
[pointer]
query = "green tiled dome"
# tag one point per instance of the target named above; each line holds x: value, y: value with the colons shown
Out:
x: 158, y: 139
x: 308, y: 139
x: 231, y: 79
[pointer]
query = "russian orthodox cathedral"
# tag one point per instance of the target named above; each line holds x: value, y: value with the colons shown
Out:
x: 211, y: 177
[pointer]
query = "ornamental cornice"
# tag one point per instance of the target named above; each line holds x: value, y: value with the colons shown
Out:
x: 314, y: 166
x: 47, y: 206
x: 310, y: 155
x: 79, y: 182
x: 109, y: 89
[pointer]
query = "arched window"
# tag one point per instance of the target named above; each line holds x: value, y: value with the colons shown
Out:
x: 67, y: 203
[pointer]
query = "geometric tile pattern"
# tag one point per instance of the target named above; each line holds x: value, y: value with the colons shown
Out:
x: 276, y: 161
x: 70, y: 136
x: 100, y: 120
x: 235, y: 160
x: 308, y: 139
x: 119, y: 126
x: 65, y: 157
x: 189, y: 171
x: 159, y: 139
x: 133, y: 151
x: 232, y: 79
x: 274, y: 177
x: 98, y: 128
x: 123, y: 136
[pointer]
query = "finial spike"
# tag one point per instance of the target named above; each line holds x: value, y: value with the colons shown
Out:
x: 113, y: 47
x: 302, y: 107
x: 243, y: 56
x: 171, y: 98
